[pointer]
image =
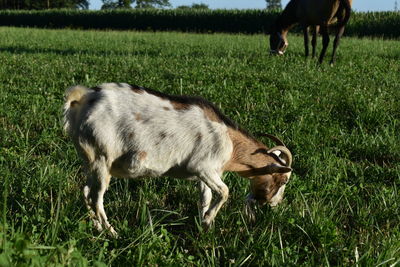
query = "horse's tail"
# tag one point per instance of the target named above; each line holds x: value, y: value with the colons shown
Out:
x: 346, y: 5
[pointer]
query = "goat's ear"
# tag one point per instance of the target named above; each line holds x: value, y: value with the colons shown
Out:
x: 275, y: 168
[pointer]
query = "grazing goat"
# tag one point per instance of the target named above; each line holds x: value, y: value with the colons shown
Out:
x: 319, y: 14
x: 129, y: 131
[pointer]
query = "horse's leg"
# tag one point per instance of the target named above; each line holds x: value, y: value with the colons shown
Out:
x: 325, y: 42
x: 314, y: 40
x: 305, y: 32
x: 336, y: 43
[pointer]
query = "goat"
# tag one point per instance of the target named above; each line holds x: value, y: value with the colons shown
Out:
x: 319, y: 14
x: 128, y: 131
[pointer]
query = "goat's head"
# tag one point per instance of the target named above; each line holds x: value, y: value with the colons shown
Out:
x: 269, y: 184
x: 278, y: 43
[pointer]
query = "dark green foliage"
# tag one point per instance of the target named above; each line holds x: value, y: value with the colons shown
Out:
x: 118, y: 4
x: 152, y: 3
x: 194, y: 6
x: 198, y: 20
x: 378, y: 24
x: 112, y: 4
x: 43, y: 4
x: 274, y: 4
x: 200, y: 6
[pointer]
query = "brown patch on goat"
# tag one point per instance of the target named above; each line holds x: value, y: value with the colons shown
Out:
x: 259, y: 188
x: 199, y: 136
x: 74, y: 103
x: 243, y: 160
x: 180, y: 106
x: 137, y: 89
x: 131, y: 135
x: 142, y: 155
x: 88, y: 152
x: 166, y: 108
x: 211, y: 115
x: 280, y: 179
x: 138, y: 117
x: 265, y: 187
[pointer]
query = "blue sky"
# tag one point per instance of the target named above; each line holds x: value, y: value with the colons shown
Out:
x: 358, y: 5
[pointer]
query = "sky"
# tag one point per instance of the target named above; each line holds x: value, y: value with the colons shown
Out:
x: 358, y: 5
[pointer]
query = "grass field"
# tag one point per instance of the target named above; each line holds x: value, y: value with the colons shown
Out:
x: 342, y: 124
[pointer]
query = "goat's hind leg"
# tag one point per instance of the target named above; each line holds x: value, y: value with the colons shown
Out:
x: 97, y: 183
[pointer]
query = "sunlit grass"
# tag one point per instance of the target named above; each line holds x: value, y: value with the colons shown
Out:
x: 341, y: 123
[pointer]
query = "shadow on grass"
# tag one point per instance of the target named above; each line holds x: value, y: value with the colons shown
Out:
x: 381, y: 158
x: 68, y: 52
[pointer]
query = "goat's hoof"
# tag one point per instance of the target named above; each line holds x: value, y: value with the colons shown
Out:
x: 97, y: 225
x: 113, y: 233
x: 206, y: 223
x: 206, y: 226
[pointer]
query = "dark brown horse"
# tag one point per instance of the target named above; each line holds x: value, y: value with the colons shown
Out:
x: 319, y: 14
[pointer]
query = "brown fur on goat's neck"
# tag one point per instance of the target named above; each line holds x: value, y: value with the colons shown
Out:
x: 249, y: 156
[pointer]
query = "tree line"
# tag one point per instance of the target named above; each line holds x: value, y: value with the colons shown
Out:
x: 43, y: 4
x: 107, y: 4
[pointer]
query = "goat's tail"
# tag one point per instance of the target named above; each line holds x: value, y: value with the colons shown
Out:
x: 347, y: 10
x: 74, y: 98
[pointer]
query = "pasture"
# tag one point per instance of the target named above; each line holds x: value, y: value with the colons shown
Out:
x: 341, y: 206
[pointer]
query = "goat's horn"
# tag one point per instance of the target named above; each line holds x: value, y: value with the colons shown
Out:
x: 285, y: 151
x: 273, y: 138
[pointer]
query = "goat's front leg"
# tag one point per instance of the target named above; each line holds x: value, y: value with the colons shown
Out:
x: 96, y: 185
x: 205, y: 198
x: 214, y: 182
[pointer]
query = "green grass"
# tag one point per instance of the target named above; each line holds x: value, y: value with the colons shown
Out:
x: 342, y: 124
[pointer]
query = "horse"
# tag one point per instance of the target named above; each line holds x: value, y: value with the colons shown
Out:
x: 318, y: 14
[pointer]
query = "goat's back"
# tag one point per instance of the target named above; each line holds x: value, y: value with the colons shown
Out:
x: 145, y: 133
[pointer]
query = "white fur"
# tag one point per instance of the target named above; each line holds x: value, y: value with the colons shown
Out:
x: 122, y: 124
x: 131, y: 132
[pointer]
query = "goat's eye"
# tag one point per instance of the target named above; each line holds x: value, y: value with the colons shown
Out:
x: 283, y: 181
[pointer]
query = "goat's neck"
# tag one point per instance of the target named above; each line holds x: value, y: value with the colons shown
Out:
x: 249, y: 157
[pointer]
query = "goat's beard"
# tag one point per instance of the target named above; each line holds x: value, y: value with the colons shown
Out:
x: 249, y: 209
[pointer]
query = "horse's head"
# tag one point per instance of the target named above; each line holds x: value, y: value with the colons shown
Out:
x: 278, y: 43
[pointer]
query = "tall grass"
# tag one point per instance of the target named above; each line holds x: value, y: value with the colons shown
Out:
x: 341, y: 123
